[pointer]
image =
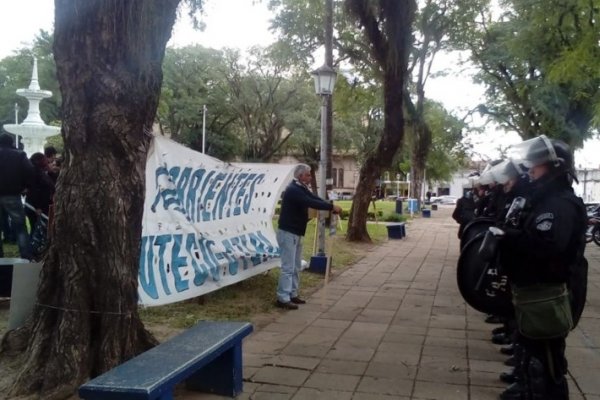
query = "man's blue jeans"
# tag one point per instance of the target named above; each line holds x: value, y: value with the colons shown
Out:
x: 13, y: 206
x: 290, y: 246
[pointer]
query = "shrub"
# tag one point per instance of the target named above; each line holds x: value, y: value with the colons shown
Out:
x: 393, y: 217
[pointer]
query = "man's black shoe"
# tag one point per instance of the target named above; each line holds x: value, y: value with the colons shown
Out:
x: 493, y: 319
x: 508, y: 350
x: 288, y: 306
x: 511, y: 361
x: 297, y: 300
x: 516, y: 391
x: 501, y: 338
x: 499, y: 330
x: 508, y: 377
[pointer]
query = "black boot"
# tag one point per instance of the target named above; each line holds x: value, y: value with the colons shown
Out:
x: 493, y: 319
x: 538, y: 382
x: 560, y: 390
x: 498, y: 330
x: 509, y: 376
x: 511, y: 361
x: 508, y: 350
x: 501, y: 338
x: 543, y: 386
x: 516, y: 391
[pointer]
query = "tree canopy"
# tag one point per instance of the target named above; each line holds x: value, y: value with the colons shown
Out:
x: 538, y: 61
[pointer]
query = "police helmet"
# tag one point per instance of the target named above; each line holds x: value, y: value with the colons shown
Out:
x: 542, y: 150
x: 506, y: 170
x: 486, y: 178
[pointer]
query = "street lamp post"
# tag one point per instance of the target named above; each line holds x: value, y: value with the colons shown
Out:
x: 204, y: 129
x: 324, y: 77
x: 17, y: 122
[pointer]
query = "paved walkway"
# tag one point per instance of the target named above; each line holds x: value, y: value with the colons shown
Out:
x: 394, y: 326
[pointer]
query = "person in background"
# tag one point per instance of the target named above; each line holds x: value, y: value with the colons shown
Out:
x: 293, y: 218
x: 465, y: 210
x: 12, y: 186
x: 53, y: 162
x: 40, y: 192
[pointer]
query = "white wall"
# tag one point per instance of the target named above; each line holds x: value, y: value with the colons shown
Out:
x: 458, y: 181
x: 589, y: 185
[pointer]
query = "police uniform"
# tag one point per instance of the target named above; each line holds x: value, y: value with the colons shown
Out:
x: 544, y: 248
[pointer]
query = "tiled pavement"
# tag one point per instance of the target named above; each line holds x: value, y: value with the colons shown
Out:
x: 394, y: 326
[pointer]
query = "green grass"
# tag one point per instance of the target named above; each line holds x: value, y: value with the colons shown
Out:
x: 10, y: 250
x: 247, y: 299
x: 383, y: 209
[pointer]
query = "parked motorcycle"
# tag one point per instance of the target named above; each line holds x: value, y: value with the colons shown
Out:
x: 593, y: 230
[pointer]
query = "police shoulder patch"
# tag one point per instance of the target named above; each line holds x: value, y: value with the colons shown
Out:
x: 544, y: 226
x: 544, y: 216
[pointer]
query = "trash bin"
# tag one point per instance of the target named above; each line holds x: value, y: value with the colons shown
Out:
x: 398, y: 205
x: 318, y: 264
x: 19, y: 280
x: 434, y: 207
x: 396, y: 231
x: 413, y: 206
x: 426, y: 213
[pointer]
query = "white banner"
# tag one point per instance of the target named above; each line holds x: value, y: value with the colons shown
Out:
x: 207, y: 223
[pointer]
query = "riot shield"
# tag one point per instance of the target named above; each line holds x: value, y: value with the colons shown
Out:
x: 578, y: 289
x: 473, y: 228
x: 479, y: 282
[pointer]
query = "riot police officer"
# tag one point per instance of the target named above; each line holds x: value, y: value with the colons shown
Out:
x: 543, y: 250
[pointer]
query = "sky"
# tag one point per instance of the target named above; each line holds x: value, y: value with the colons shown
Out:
x: 244, y: 23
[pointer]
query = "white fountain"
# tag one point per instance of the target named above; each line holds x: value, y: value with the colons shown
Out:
x: 33, y: 130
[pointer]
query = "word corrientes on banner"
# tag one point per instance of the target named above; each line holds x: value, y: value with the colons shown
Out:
x: 205, y: 195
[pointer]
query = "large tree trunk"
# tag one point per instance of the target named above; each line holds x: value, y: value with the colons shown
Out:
x: 421, y: 145
x: 388, y: 29
x: 381, y: 158
x: 108, y: 56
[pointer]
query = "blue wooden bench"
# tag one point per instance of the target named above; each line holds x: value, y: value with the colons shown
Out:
x: 208, y: 357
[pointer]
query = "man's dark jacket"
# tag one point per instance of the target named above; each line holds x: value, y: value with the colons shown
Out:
x: 550, y: 238
x: 464, y: 212
x: 297, y: 199
x: 16, y: 171
x: 39, y: 195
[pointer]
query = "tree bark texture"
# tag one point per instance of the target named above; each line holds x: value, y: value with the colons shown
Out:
x: 421, y: 141
x: 108, y: 55
x: 387, y: 27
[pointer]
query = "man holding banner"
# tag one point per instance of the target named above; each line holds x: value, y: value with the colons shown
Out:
x: 293, y: 218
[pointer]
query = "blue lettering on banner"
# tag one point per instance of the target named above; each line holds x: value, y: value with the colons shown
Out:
x: 146, y: 271
x: 200, y: 272
x: 190, y: 200
x: 162, y: 241
x: 202, y: 195
x: 178, y: 262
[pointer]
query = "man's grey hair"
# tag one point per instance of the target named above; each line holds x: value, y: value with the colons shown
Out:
x: 301, y: 169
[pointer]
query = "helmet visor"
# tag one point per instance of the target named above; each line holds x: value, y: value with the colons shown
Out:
x: 486, y: 178
x: 506, y: 171
x: 533, y: 152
